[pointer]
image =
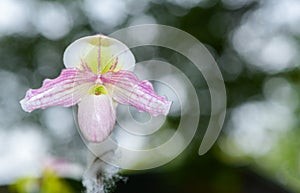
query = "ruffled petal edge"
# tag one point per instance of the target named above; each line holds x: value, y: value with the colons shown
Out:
x: 127, y: 89
x: 65, y: 90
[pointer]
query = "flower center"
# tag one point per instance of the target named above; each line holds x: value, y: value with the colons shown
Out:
x: 98, y: 90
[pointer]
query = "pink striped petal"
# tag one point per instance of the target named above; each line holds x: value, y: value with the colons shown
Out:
x: 96, y: 117
x: 100, y: 53
x: 126, y: 88
x: 65, y: 90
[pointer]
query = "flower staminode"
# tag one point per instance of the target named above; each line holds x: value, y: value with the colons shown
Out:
x: 98, y: 75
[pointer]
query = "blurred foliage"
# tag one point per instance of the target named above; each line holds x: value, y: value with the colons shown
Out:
x: 48, y: 183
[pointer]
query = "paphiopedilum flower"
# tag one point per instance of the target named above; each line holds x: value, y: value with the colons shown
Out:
x: 98, y: 75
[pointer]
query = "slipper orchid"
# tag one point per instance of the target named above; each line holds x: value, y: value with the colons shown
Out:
x: 98, y: 75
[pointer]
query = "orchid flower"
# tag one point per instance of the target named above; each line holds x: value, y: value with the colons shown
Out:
x: 98, y: 75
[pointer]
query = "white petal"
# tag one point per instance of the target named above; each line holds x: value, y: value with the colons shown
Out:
x: 96, y: 117
x: 87, y: 50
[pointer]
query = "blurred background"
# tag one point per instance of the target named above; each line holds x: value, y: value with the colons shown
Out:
x: 256, y: 45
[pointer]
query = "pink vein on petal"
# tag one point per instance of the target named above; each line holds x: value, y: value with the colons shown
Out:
x: 65, y: 90
x: 113, y: 67
x: 126, y: 88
